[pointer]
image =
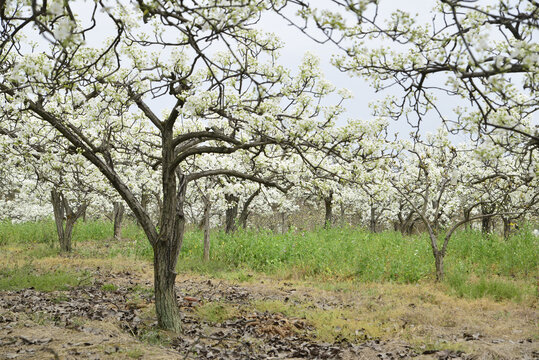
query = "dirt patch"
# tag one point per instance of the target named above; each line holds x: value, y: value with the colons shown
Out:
x: 22, y: 338
x: 114, y: 319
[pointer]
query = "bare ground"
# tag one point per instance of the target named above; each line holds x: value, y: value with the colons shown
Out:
x: 261, y: 318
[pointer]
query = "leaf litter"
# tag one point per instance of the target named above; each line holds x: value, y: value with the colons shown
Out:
x: 96, y: 322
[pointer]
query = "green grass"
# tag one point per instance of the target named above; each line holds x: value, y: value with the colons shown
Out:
x: 360, y: 255
x: 27, y: 276
x: 476, y: 265
x: 40, y: 232
x: 109, y: 287
x: 215, y: 312
x: 497, y: 289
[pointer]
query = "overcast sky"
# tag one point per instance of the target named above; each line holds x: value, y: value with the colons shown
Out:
x: 297, y: 44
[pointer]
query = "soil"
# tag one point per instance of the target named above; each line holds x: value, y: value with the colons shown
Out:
x: 113, y: 319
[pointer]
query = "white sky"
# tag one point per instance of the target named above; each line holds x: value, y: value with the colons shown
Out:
x: 358, y: 107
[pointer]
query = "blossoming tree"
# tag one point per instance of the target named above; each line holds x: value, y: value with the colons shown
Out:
x: 203, y: 65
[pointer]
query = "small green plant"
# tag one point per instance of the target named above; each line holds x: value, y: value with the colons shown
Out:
x: 154, y: 336
x: 215, y: 312
x: 135, y: 353
x: 141, y: 290
x: 60, y: 297
x: 109, y: 287
x: 40, y: 317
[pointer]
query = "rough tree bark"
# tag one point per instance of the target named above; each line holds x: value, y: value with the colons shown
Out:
x: 167, y: 245
x: 64, y: 212
x: 118, y: 217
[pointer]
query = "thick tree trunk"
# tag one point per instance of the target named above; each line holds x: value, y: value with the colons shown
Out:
x: 328, y: 219
x: 118, y: 217
x: 167, y: 244
x: 486, y: 225
x: 164, y: 265
x: 207, y: 213
x: 231, y: 213
x: 65, y: 245
x: 409, y: 227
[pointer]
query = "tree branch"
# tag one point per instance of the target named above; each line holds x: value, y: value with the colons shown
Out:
x: 236, y: 174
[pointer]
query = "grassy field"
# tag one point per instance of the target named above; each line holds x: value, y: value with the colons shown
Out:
x: 476, y: 265
x: 339, y: 286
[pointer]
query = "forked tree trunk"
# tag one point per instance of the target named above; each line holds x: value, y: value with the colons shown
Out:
x: 231, y: 213
x: 438, y: 250
x: 64, y: 213
x: 245, y: 210
x: 328, y: 219
x: 118, y: 217
x: 167, y: 244
x: 207, y: 213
